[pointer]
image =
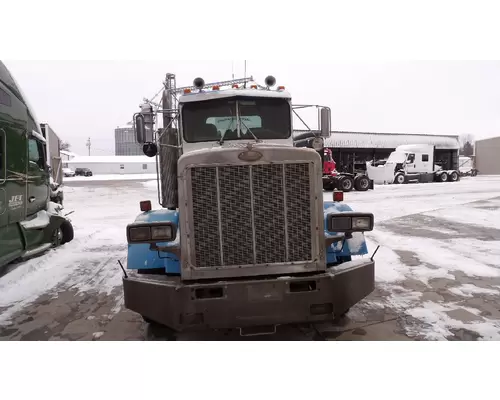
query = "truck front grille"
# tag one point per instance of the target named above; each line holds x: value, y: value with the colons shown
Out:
x: 251, y: 215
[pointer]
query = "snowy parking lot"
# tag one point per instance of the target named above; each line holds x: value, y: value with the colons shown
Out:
x: 437, y: 271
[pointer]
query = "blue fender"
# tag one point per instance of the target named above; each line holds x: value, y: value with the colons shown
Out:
x: 351, y: 247
x: 141, y: 257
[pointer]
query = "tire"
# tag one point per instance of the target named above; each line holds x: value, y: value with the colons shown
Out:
x: 346, y: 184
x: 362, y: 183
x: 67, y: 232
x: 443, y: 177
x: 399, y: 179
x: 453, y: 176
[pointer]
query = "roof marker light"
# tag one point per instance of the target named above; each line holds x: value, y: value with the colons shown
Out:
x: 216, y: 87
x: 254, y: 86
x: 281, y: 88
x: 235, y: 86
x: 187, y: 91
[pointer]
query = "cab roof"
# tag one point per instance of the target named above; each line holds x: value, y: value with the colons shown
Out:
x: 222, y: 94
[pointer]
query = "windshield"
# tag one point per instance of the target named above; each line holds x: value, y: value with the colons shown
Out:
x: 397, y: 157
x: 208, y: 121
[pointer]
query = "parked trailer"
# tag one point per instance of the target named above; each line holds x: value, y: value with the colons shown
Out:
x: 333, y: 179
x: 411, y: 164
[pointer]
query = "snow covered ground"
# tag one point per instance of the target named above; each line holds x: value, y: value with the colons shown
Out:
x: 437, y: 271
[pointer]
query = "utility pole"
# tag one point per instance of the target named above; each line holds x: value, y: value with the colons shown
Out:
x: 88, y: 144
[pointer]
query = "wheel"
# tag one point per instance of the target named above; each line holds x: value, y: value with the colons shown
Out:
x: 57, y: 237
x: 443, y: 177
x: 67, y: 232
x: 362, y: 183
x: 454, y: 176
x: 399, y: 179
x: 346, y: 184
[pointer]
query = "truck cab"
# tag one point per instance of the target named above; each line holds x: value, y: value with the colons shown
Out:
x: 30, y: 223
x: 410, y: 163
x: 243, y: 239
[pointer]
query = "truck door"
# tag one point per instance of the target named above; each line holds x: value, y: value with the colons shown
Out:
x: 38, y: 177
x: 410, y: 163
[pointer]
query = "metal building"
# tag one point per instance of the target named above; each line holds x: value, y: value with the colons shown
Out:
x: 487, y: 156
x: 125, y: 142
x: 351, y: 150
x: 53, y: 152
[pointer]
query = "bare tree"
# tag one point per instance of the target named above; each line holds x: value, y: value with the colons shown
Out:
x: 467, y: 145
x: 64, y: 145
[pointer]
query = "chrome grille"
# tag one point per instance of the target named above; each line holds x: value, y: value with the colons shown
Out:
x: 251, y: 215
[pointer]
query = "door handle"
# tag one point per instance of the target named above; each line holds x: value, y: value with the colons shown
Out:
x: 32, y: 199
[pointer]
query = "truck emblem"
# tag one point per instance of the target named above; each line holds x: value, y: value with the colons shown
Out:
x: 16, y: 201
x: 250, y: 155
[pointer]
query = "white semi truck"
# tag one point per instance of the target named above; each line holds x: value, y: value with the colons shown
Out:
x: 411, y: 164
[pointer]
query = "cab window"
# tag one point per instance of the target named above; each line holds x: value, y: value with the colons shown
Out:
x: 35, y: 153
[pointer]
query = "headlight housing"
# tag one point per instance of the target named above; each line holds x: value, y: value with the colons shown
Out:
x: 350, y: 222
x: 158, y: 232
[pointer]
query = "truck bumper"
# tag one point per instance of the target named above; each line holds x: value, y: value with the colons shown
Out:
x: 249, y: 303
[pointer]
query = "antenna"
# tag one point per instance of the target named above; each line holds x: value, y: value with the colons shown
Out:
x: 232, y: 68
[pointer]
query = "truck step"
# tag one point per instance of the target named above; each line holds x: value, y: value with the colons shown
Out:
x: 36, y: 251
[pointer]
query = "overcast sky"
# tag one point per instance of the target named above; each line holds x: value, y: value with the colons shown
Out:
x: 82, y: 99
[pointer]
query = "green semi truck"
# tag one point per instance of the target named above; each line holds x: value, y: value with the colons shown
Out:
x: 31, y: 222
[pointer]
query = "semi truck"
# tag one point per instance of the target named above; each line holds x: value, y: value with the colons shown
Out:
x: 332, y: 178
x: 411, y: 164
x: 30, y: 222
x: 243, y: 239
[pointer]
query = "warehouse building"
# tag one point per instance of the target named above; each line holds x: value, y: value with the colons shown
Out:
x: 487, y: 158
x: 111, y: 165
x: 351, y: 150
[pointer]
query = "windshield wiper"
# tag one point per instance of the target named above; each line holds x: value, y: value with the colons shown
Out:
x: 251, y: 133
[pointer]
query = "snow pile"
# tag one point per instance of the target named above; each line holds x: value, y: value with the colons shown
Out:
x: 469, y: 290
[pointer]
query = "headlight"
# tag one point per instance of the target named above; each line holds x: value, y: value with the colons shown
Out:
x: 151, y: 233
x: 161, y: 232
x: 142, y: 234
x: 350, y: 222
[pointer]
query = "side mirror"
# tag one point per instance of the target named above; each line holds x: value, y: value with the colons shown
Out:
x: 140, y: 128
x: 325, y: 122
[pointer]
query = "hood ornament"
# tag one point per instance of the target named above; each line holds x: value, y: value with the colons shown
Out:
x: 250, y: 155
